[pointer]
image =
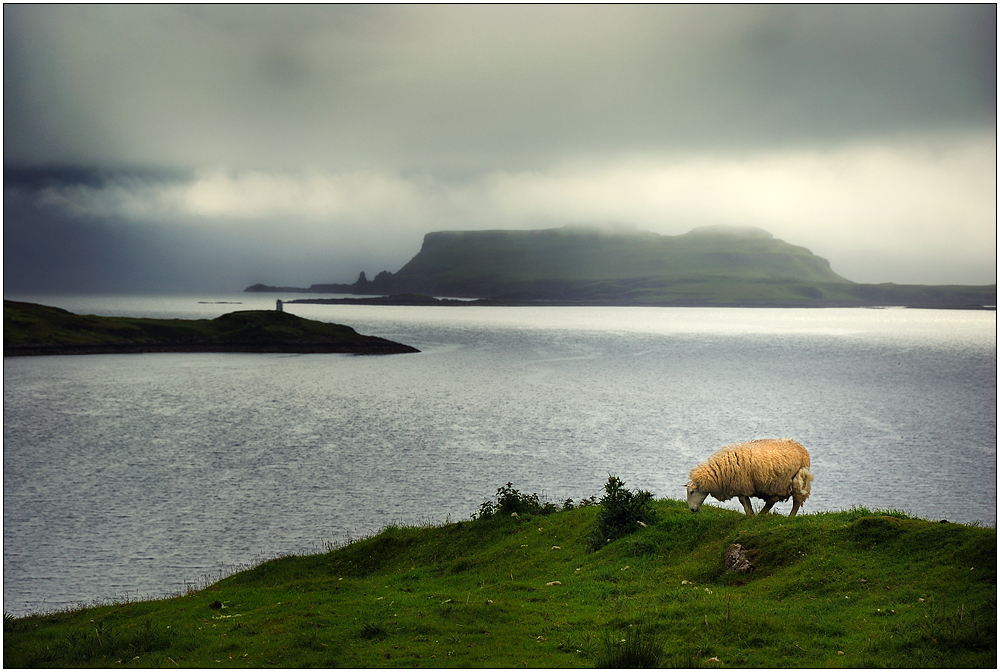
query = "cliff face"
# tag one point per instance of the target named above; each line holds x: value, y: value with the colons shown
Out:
x: 490, y: 263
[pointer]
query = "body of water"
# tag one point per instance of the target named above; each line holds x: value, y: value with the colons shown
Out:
x: 136, y: 474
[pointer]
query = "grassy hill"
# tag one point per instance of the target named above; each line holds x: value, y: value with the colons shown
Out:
x: 582, y: 254
x: 33, y: 329
x: 847, y: 589
x: 709, y: 266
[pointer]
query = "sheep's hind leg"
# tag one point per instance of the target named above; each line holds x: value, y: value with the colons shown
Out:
x: 747, y: 506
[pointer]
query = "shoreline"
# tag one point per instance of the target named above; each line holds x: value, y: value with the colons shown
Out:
x: 425, y: 300
x: 386, y: 347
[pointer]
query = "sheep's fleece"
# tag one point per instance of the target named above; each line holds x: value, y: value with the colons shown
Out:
x: 768, y: 469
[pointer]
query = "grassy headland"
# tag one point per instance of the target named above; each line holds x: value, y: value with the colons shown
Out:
x: 573, y: 265
x: 33, y: 329
x: 841, y: 589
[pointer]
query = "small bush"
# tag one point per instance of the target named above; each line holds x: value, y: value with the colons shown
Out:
x: 509, y: 501
x: 621, y: 511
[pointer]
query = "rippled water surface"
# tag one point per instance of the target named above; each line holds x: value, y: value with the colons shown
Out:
x: 128, y: 474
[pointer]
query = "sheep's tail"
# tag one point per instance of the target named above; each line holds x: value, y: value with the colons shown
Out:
x: 802, y: 484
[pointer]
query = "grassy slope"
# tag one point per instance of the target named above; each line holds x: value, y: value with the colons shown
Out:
x: 882, y: 589
x: 29, y: 324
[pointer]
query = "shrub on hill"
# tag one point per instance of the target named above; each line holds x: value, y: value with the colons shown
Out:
x: 622, y: 512
x: 509, y: 501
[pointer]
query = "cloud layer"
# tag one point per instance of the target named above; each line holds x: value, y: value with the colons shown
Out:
x: 866, y: 133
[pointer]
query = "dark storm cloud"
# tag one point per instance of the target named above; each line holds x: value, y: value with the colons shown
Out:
x: 298, y: 144
x: 51, y: 249
x: 48, y: 251
x: 472, y: 88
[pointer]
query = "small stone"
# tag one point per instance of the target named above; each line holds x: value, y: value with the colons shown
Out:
x: 554, y: 583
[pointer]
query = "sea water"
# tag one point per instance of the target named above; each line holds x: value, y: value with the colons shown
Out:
x: 137, y: 475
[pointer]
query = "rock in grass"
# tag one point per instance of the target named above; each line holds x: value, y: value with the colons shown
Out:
x: 736, y: 560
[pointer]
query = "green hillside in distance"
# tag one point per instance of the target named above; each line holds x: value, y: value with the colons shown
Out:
x: 34, y: 329
x: 581, y: 265
x: 592, y: 254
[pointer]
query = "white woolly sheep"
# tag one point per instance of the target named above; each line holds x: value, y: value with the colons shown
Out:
x: 768, y: 469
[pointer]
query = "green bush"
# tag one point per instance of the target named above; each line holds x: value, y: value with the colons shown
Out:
x: 509, y: 501
x: 621, y: 512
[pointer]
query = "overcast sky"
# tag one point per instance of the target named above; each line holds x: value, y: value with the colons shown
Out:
x: 187, y: 147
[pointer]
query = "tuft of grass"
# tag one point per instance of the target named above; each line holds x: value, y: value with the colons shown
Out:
x: 634, y: 647
x: 373, y: 630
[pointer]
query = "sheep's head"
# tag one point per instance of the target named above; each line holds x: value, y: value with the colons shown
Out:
x: 696, y: 495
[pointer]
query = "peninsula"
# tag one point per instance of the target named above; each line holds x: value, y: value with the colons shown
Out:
x: 34, y: 329
x: 580, y: 265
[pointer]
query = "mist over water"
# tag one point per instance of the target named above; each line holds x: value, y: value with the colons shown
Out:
x: 139, y: 473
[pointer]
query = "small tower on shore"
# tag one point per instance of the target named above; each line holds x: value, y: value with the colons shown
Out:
x: 280, y: 306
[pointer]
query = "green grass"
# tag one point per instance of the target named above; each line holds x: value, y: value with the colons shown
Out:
x: 842, y: 589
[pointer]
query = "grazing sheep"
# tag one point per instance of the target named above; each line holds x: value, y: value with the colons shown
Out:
x: 768, y: 469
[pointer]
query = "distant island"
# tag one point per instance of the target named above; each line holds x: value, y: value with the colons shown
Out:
x: 34, y: 329
x: 580, y: 265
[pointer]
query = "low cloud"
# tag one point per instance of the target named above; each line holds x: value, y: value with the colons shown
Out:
x: 874, y: 210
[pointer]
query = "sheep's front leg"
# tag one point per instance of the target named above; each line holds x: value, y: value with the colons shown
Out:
x: 795, y: 507
x: 771, y: 501
x: 745, y: 501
